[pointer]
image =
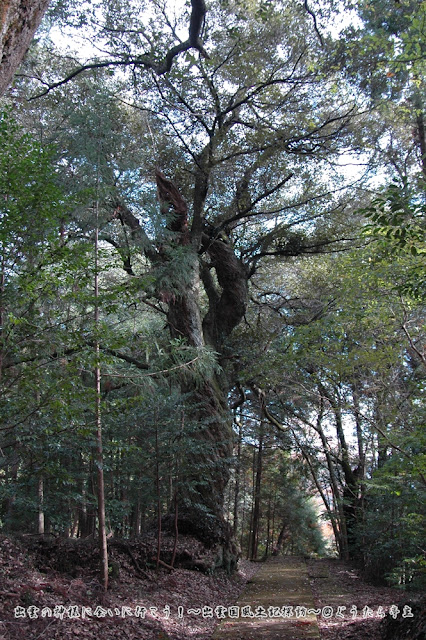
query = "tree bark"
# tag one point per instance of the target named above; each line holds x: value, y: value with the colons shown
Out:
x: 237, y: 480
x: 40, y: 504
x: 102, y: 537
x: 280, y: 540
x: 200, y: 510
x: 19, y: 20
x: 256, y: 508
x: 420, y: 130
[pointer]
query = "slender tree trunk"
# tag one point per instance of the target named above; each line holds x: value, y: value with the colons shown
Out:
x: 136, y: 518
x: 256, y: 509
x: 359, y: 434
x: 158, y: 491
x: 11, y: 479
x: 268, y: 528
x: 360, y: 470
x: 331, y: 516
x: 339, y: 527
x: 280, y: 540
x: 40, y: 504
x: 347, y: 505
x: 86, y: 515
x: 103, y: 548
x: 176, y: 525
x: 420, y: 126
x: 382, y: 444
x: 243, y: 514
x: 253, y: 484
x: 273, y: 523
x: 87, y: 521
x: 237, y: 479
x: 2, y: 312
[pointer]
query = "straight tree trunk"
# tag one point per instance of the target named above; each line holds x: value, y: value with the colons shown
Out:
x: 256, y: 508
x: 268, y: 528
x: 158, y: 491
x: 103, y: 548
x: 253, y: 483
x: 280, y: 540
x: 237, y: 479
x: 345, y: 500
x: 420, y: 129
x: 2, y: 312
x: 40, y: 504
x: 11, y: 478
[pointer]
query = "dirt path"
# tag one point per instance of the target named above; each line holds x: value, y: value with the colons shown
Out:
x: 358, y: 607
x: 280, y: 588
x: 28, y: 582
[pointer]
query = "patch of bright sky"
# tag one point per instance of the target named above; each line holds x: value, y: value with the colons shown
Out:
x: 80, y: 41
x: 342, y: 19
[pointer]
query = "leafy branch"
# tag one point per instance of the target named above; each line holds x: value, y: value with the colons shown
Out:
x: 145, y: 61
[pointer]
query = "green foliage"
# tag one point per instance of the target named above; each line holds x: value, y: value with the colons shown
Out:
x: 30, y: 198
x: 401, y: 226
x: 387, y: 53
x: 47, y: 356
x: 254, y: 136
x: 327, y: 340
x: 296, y: 512
x: 391, y: 538
x: 399, y: 229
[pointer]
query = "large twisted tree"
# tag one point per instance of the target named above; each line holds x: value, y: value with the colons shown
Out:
x: 249, y: 136
x: 247, y: 129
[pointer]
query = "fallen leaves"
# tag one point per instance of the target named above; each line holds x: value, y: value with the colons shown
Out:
x: 29, y: 577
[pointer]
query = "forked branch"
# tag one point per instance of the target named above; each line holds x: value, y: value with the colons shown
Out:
x: 196, y: 23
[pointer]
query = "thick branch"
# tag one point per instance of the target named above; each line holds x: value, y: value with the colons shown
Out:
x: 146, y: 62
x: 196, y: 22
x: 226, y: 311
x: 139, y: 237
x: 350, y: 478
x: 314, y: 18
x: 412, y: 344
x: 169, y: 196
x: 249, y: 209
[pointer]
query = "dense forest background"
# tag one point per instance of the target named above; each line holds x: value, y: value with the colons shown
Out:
x: 212, y: 278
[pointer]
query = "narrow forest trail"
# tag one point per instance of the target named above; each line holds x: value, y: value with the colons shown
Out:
x: 281, y: 582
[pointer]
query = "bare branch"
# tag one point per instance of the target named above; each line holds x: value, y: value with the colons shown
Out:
x: 412, y: 345
x: 314, y: 18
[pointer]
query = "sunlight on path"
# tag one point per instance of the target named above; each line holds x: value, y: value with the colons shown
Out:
x: 281, y: 582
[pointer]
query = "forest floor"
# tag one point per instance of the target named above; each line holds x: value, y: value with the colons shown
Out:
x: 49, y: 590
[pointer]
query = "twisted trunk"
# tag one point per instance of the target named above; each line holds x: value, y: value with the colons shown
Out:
x: 201, y: 505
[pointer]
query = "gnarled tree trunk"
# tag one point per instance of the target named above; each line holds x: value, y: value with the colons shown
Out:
x: 201, y: 509
x: 200, y: 504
